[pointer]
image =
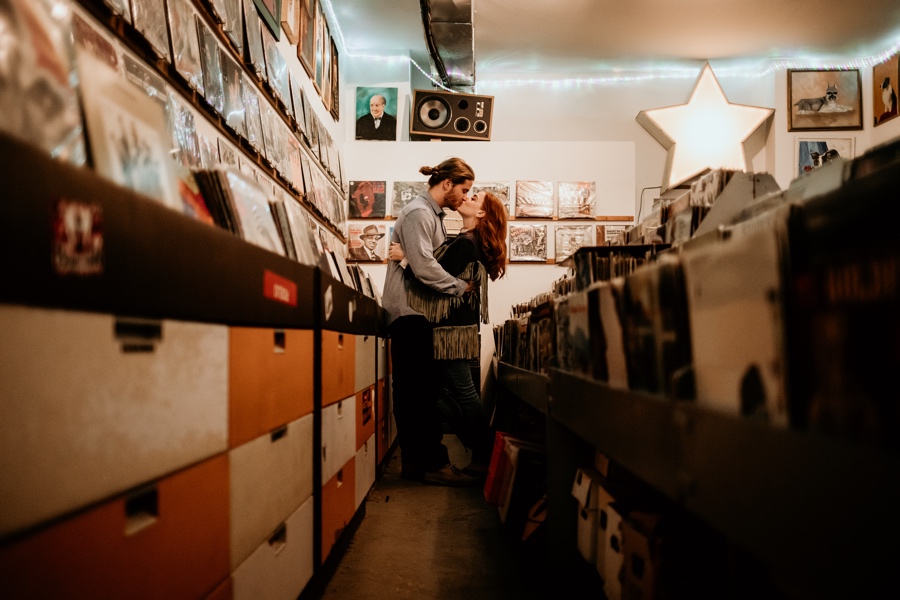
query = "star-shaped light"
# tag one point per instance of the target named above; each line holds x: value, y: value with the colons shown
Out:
x: 706, y: 133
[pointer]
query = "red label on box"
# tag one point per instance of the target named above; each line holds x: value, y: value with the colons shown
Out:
x: 279, y: 289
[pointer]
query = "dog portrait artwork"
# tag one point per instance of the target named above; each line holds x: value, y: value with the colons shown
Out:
x: 813, y: 153
x: 818, y: 104
x: 824, y: 99
x: 885, y: 78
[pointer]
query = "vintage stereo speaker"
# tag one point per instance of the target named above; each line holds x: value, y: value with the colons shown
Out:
x: 440, y: 114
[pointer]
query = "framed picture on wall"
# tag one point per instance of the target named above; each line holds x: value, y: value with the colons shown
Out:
x: 270, y: 11
x: 885, y: 79
x: 813, y: 152
x: 823, y: 100
x: 321, y: 34
x: 335, y: 83
x: 376, y: 113
x: 290, y: 19
x: 306, y: 46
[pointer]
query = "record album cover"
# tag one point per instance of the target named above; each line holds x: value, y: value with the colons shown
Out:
x: 128, y: 134
x: 497, y: 188
x: 233, y: 24
x: 153, y: 85
x: 527, y: 243
x: 183, y: 131
x: 120, y: 7
x: 307, y: 43
x: 302, y: 236
x: 232, y: 76
x: 89, y: 37
x: 367, y: 199
x: 212, y: 70
x: 277, y: 69
x: 405, y: 192
x: 254, y: 55
x: 252, y: 115
x: 254, y: 213
x: 297, y: 102
x: 227, y: 154
x: 150, y: 21
x: 366, y: 242
x: 219, y: 10
x: 570, y: 238
x: 185, y: 44
x: 37, y: 94
x: 534, y: 199
x: 576, y: 199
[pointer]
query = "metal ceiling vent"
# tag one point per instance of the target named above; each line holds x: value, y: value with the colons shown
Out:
x: 451, y: 41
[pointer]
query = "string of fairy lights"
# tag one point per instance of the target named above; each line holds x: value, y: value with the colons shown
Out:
x: 660, y: 72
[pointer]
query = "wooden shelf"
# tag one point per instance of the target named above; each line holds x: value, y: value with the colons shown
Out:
x: 526, y: 385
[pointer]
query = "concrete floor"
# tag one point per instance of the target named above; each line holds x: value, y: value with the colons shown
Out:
x: 429, y: 542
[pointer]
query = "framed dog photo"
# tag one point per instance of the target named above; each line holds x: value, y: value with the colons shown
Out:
x: 885, y: 79
x: 813, y: 152
x: 824, y: 100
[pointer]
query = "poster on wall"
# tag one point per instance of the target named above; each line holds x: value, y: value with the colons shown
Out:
x: 497, y: 188
x: 367, y: 199
x: 885, y: 78
x: 607, y: 234
x: 570, y: 238
x: 527, y: 243
x: 376, y: 113
x: 820, y: 100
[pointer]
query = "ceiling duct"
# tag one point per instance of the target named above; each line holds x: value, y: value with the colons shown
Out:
x: 451, y: 41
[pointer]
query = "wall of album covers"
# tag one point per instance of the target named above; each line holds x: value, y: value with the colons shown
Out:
x: 221, y: 110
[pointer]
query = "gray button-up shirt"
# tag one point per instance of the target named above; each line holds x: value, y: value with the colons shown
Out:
x: 420, y: 230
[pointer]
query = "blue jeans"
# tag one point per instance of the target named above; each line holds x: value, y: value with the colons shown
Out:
x: 460, y: 406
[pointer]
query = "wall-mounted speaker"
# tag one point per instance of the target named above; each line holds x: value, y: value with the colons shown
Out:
x: 437, y: 114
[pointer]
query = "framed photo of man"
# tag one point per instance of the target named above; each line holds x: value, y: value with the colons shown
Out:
x: 366, y: 242
x: 376, y: 113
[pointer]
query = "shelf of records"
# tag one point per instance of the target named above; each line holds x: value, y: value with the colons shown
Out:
x: 166, y: 88
x: 544, y: 200
x: 84, y: 242
x: 776, y: 316
x: 746, y: 373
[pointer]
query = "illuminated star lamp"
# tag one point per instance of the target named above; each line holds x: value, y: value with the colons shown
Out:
x: 708, y: 132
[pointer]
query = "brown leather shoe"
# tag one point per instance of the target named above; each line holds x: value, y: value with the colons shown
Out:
x: 450, y: 476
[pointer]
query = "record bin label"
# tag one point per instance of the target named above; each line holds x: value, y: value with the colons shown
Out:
x: 279, y: 289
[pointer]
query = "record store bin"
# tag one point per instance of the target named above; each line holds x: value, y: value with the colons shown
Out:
x: 160, y: 416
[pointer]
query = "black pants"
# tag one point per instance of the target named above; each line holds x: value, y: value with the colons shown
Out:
x: 416, y: 384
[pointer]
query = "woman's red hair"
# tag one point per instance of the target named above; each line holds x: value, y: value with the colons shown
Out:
x: 491, y: 228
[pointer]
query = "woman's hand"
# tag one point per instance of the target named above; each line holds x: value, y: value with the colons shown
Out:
x: 395, y: 252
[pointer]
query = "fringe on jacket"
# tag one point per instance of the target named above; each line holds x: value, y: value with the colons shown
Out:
x: 452, y: 341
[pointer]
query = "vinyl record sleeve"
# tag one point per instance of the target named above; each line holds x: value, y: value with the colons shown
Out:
x: 252, y: 114
x: 232, y: 84
x: 307, y: 177
x: 570, y: 238
x: 209, y: 153
x: 253, y: 211
x: 120, y: 7
x: 233, y: 25
x: 297, y: 100
x: 294, y: 163
x: 360, y: 232
x: 304, y: 244
x: 607, y: 234
x: 290, y: 20
x: 150, y: 21
x: 219, y: 10
x: 497, y: 188
x: 254, y: 56
x: 37, y: 94
x: 277, y: 69
x: 323, y: 143
x: 527, y: 243
x: 576, y: 199
x: 153, y: 85
x: 367, y: 199
x: 227, y: 154
x: 306, y: 46
x: 279, y: 214
x: 313, y: 120
x: 185, y: 45
x: 89, y: 37
x: 275, y: 150
x: 404, y: 193
x: 534, y: 199
x: 128, y: 134
x: 183, y: 131
x: 213, y: 90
